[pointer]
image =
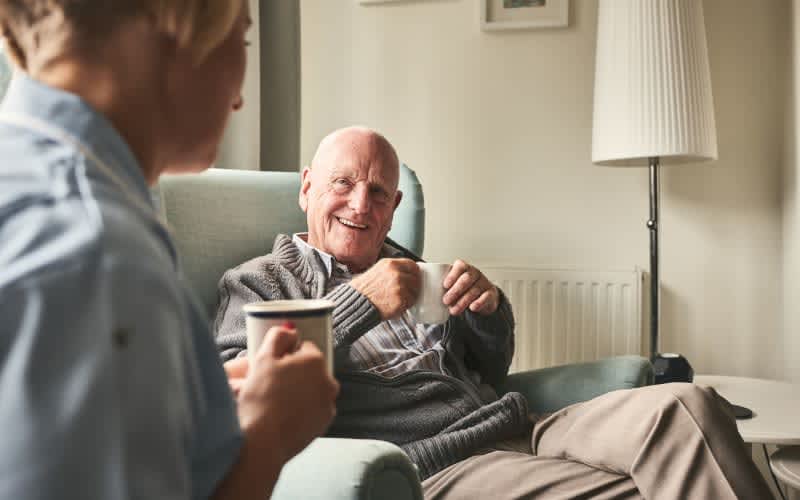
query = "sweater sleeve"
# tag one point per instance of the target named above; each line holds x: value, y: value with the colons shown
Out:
x: 257, y: 280
x: 489, y: 340
x: 240, y: 286
x: 353, y: 315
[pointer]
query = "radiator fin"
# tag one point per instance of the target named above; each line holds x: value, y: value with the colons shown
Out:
x: 572, y: 316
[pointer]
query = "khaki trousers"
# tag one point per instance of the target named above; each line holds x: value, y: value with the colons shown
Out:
x: 672, y: 441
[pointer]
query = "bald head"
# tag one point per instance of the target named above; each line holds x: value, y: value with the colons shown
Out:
x: 356, y: 142
x: 349, y: 194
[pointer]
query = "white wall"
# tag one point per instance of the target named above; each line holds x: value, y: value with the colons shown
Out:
x: 498, y: 127
x: 791, y: 193
x: 240, y: 145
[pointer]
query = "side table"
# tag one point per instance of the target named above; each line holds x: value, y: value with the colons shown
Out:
x: 786, y: 465
x: 775, y: 406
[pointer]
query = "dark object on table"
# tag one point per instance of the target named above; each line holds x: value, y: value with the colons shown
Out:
x: 740, y: 412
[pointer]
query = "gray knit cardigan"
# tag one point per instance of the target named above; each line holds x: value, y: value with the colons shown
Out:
x: 436, y: 419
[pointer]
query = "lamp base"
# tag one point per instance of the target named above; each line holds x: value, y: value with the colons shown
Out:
x: 671, y: 367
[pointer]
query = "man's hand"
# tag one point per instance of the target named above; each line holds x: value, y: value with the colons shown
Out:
x: 467, y: 287
x: 392, y: 285
x: 286, y: 397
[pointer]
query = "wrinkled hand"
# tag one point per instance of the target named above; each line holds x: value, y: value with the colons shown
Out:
x: 392, y: 285
x: 467, y: 287
x: 286, y: 397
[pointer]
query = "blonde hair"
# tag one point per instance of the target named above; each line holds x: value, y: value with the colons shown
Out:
x: 197, y: 25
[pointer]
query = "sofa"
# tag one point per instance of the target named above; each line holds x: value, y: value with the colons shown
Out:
x: 220, y: 218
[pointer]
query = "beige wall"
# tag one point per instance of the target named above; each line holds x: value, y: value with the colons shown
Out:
x: 498, y: 127
x: 791, y: 219
x: 240, y: 145
x: 253, y: 140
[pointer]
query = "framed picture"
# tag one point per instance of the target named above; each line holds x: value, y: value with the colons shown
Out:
x: 523, y: 14
x: 378, y: 1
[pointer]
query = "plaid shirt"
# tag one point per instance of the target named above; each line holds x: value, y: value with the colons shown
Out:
x: 395, y: 346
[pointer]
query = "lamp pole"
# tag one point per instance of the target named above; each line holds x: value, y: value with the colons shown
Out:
x: 668, y: 367
x: 652, y: 225
x: 653, y: 100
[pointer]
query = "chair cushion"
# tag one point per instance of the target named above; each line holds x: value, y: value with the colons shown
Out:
x: 408, y: 226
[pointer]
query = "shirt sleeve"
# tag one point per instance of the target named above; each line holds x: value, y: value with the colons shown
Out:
x: 93, y: 400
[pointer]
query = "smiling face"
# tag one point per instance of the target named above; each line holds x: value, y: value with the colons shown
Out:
x: 349, y: 195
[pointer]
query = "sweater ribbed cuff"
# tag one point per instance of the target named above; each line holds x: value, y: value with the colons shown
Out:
x: 489, y: 327
x: 485, y: 427
x: 353, y: 315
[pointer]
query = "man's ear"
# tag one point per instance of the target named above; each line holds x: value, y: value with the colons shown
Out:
x: 305, y: 185
x: 397, y: 198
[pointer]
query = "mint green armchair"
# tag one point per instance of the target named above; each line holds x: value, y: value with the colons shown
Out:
x: 221, y: 218
x: 5, y: 73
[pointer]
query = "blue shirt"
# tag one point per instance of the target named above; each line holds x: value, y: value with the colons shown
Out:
x: 110, y: 383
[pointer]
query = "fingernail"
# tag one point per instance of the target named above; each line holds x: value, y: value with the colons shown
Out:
x: 288, y: 324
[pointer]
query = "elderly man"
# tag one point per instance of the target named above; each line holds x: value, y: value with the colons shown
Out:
x: 430, y: 388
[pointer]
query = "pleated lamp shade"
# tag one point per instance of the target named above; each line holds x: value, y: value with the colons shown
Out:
x: 652, y: 87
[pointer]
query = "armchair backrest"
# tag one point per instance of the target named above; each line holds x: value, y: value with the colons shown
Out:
x: 221, y: 218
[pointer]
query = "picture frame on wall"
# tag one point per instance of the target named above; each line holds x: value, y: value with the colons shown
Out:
x: 523, y: 14
x: 367, y: 2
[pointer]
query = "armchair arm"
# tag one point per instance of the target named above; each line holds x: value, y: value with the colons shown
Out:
x: 349, y: 469
x: 550, y: 389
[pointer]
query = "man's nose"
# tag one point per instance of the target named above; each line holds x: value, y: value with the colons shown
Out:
x: 359, y: 200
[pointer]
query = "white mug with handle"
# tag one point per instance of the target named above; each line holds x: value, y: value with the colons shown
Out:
x: 311, y: 318
x: 430, y: 308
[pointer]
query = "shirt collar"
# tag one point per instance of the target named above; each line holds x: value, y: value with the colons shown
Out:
x: 72, y: 116
x: 301, y: 241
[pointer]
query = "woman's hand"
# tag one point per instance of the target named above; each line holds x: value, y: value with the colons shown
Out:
x: 286, y: 396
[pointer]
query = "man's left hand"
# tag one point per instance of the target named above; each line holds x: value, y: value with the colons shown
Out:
x: 467, y: 287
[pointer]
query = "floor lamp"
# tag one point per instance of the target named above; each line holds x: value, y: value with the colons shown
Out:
x: 653, y: 106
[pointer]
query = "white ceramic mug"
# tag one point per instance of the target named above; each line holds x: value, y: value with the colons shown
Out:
x: 429, y: 308
x: 311, y: 318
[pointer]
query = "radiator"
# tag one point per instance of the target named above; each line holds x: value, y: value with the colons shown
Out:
x: 572, y: 316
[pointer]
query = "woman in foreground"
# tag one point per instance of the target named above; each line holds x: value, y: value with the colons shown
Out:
x: 110, y: 384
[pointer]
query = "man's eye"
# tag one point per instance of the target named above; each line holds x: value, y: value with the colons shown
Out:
x: 380, y: 195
